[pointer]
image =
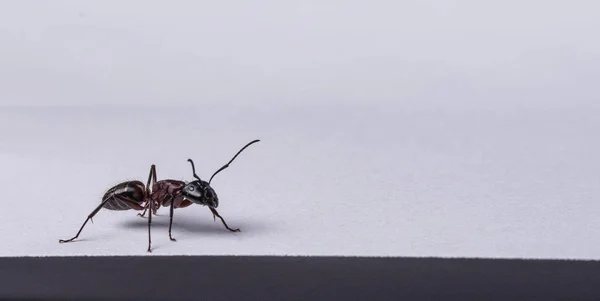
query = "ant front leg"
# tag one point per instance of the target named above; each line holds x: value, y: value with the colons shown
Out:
x: 215, y: 213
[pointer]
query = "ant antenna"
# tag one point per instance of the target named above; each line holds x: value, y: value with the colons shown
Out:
x: 227, y: 165
x: 194, y: 170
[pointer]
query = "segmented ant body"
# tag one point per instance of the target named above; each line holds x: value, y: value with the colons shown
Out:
x: 167, y: 193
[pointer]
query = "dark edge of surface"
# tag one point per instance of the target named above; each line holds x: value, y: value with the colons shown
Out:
x: 295, y: 278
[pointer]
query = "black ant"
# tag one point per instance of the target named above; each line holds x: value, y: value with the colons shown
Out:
x: 173, y: 193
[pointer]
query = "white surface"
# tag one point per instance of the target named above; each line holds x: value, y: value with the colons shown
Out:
x: 381, y: 181
x: 481, y: 138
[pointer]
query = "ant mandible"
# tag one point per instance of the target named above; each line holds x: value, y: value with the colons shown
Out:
x: 173, y: 193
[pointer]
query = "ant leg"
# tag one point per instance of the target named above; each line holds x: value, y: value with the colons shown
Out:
x: 146, y: 209
x: 151, y: 176
x: 143, y: 213
x: 149, y: 223
x: 149, y: 236
x: 215, y: 213
x: 156, y: 207
x: 89, y: 218
x: 171, y: 219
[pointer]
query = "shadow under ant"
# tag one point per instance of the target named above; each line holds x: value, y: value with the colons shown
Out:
x: 193, y: 224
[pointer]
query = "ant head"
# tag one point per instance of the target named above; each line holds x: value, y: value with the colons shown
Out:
x: 200, y: 192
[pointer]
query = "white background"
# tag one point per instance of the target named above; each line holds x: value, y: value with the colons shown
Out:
x: 388, y: 128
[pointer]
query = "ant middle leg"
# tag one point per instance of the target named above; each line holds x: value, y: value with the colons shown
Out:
x: 151, y: 176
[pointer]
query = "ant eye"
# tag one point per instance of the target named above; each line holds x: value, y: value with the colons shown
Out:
x: 191, y: 188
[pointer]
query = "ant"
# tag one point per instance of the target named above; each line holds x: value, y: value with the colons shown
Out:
x: 168, y: 193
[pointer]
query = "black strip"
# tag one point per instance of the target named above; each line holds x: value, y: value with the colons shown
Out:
x: 295, y: 278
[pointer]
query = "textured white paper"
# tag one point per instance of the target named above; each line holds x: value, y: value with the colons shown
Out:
x: 388, y: 128
x: 323, y: 181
